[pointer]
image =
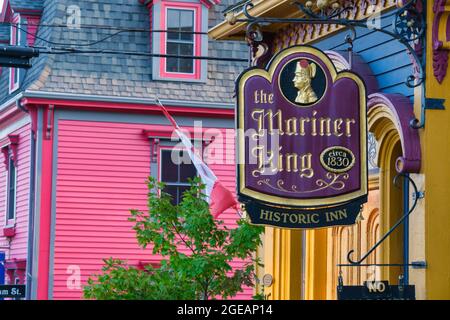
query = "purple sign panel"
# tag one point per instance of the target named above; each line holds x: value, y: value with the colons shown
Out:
x: 302, y: 139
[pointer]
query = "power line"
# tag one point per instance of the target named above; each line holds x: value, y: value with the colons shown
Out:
x: 68, y: 48
x: 132, y: 53
x: 66, y: 44
x: 97, y: 26
x: 18, y: 26
x: 8, y: 51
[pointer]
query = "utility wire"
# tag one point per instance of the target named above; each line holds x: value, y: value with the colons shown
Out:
x: 97, y: 26
x: 67, y: 48
x: 19, y: 27
x: 131, y: 53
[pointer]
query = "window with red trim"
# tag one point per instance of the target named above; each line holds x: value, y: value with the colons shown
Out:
x: 183, y: 22
x: 180, y: 40
x: 14, y: 74
x: 12, y: 185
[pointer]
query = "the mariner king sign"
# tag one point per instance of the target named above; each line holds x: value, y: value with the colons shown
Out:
x: 302, y: 140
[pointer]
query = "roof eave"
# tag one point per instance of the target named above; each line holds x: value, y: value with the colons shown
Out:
x: 266, y: 8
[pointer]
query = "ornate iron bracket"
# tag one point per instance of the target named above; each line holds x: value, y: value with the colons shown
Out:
x: 441, y: 48
x: 399, y: 222
x: 408, y: 24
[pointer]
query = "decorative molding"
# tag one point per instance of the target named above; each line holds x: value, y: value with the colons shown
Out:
x: 16, y: 264
x: 154, y: 149
x: 441, y: 38
x: 5, y: 11
x: 261, y: 51
x: 358, y: 65
x: 372, y: 151
x: 154, y: 263
x: 48, y: 121
x: 9, y: 232
x: 295, y: 34
x: 374, y: 182
x: 210, y: 3
x: 207, y: 3
x: 9, y: 146
x: 394, y: 112
x: 167, y: 133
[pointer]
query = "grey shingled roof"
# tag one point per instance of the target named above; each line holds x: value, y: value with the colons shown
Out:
x: 121, y: 75
x: 237, y: 6
x: 4, y: 33
x: 27, y: 4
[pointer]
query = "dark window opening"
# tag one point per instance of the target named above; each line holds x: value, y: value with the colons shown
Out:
x: 175, y: 174
x: 11, y: 189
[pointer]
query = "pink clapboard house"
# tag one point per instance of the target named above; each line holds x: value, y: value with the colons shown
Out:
x: 81, y: 133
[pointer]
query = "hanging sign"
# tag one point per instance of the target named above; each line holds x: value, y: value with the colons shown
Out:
x: 302, y: 139
x: 377, y: 290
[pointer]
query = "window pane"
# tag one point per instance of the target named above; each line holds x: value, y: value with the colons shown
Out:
x: 173, y: 19
x: 181, y: 190
x: 169, y: 170
x: 187, y: 24
x: 16, y: 75
x: 12, y: 189
x: 186, y: 65
x: 173, y: 24
x: 187, y: 171
x: 172, y: 65
x: 187, y: 20
x: 186, y: 49
x: 172, y: 48
x: 173, y: 36
x: 173, y: 191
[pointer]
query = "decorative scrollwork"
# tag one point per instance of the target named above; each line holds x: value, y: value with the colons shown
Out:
x: 408, y: 27
x: 409, y: 24
x: 399, y: 222
x: 326, y: 9
x: 335, y: 182
x: 372, y: 151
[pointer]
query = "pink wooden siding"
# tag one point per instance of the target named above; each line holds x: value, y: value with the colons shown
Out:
x: 19, y: 243
x: 102, y: 169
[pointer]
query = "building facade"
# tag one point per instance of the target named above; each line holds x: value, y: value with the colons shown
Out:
x: 408, y: 135
x: 81, y: 132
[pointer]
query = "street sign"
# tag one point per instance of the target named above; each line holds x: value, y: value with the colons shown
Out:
x: 12, y: 291
x: 376, y: 290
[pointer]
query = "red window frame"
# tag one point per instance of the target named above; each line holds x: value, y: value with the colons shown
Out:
x: 15, y: 40
x: 197, y: 8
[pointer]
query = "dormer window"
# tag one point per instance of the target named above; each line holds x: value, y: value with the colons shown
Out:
x: 180, y: 40
x: 14, y: 74
x: 183, y: 21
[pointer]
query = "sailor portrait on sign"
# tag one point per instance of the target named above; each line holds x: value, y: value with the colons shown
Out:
x: 304, y: 73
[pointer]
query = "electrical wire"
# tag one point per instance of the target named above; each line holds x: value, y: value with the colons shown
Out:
x: 68, y: 48
x: 119, y: 31
x: 98, y: 26
x: 60, y: 51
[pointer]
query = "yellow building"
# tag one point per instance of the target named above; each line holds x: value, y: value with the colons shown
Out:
x: 304, y: 264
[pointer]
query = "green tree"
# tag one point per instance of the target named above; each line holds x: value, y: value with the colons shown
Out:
x: 197, y: 252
